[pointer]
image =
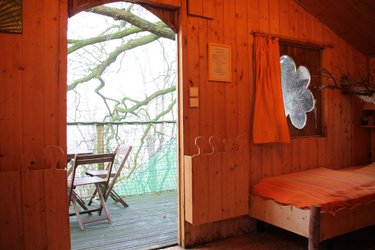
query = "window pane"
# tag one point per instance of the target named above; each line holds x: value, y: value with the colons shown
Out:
x: 310, y: 58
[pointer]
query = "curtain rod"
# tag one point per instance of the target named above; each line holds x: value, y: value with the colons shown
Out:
x: 292, y: 40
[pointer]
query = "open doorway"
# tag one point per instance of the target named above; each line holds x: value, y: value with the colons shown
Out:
x: 122, y: 78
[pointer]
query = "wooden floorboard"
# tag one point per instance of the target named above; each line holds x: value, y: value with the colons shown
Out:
x: 149, y: 222
x: 278, y: 239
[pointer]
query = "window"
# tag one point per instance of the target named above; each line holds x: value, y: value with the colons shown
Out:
x: 310, y: 57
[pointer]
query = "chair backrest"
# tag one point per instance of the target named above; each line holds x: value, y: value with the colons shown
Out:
x: 124, y: 152
x: 84, y: 159
x: 70, y: 160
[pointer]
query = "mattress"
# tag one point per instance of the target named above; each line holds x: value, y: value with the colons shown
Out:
x: 328, y: 188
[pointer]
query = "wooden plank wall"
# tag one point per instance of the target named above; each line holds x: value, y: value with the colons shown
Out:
x: 33, y: 94
x: 226, y: 109
x: 32, y: 73
x: 32, y: 116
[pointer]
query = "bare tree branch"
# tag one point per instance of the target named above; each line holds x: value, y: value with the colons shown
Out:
x: 105, y: 99
x: 99, y: 69
x: 77, y: 44
x: 138, y: 104
x: 94, y: 55
x: 129, y: 17
x: 149, y: 126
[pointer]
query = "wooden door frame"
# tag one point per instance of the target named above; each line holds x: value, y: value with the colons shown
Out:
x: 169, y: 12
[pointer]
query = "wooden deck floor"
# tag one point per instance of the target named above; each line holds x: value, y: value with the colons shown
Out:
x: 149, y: 222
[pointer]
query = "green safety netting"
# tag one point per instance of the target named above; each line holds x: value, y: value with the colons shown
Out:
x: 157, y: 174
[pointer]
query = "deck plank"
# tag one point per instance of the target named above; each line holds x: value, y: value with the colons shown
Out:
x: 149, y: 222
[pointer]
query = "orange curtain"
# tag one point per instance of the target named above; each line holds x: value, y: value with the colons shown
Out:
x: 270, y: 124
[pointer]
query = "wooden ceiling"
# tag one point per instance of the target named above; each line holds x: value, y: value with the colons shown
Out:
x: 353, y: 20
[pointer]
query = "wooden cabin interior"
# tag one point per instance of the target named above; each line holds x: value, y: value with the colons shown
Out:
x: 213, y: 192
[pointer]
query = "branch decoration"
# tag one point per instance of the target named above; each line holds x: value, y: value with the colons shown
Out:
x: 364, y: 88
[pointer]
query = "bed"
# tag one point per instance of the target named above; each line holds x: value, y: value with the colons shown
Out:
x: 318, y: 203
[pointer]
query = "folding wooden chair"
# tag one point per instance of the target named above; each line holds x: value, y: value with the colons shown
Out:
x: 120, y: 151
x: 101, y: 186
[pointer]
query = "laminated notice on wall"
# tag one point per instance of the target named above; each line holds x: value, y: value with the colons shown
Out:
x: 219, y: 62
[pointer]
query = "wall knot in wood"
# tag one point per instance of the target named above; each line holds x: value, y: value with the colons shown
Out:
x: 53, y: 157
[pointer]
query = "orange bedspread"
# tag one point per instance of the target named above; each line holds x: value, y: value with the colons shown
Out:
x: 331, y: 189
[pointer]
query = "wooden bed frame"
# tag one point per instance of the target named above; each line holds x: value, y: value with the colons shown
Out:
x: 311, y: 223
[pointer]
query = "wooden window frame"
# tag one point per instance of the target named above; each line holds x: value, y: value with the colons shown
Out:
x: 309, y: 56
